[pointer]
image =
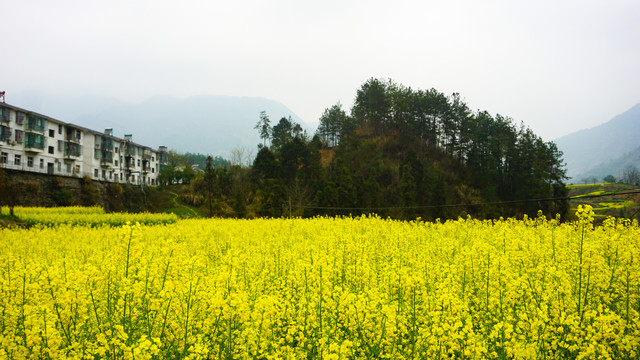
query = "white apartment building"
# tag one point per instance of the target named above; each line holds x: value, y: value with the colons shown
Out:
x: 37, y: 143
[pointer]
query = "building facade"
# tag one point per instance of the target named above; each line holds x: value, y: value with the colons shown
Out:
x: 37, y: 143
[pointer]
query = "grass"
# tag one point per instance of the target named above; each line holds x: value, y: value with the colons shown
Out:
x: 167, y: 200
x: 593, y: 193
x: 578, y: 186
x: 186, y: 212
x: 614, y: 204
x: 7, y: 220
x: 605, y: 199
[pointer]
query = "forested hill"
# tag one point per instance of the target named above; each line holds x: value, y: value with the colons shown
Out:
x: 406, y: 153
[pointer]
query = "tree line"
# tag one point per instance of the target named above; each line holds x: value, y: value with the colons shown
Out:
x: 182, y: 168
x: 398, y: 152
x: 630, y: 175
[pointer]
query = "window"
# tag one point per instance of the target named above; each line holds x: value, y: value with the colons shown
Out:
x: 68, y: 167
x: 153, y: 170
x: 104, y: 174
x: 5, y: 133
x: 41, y: 163
x: 60, y: 129
x: 52, y: 133
x: 30, y: 161
x: 77, y: 169
x: 19, y: 118
x: 120, y: 176
x: 153, y: 159
x: 95, y: 172
x: 138, y: 162
x: 19, y: 136
x: 116, y: 162
x: 59, y: 167
x: 4, y: 158
x: 4, y: 114
x: 50, y: 149
x: 17, y: 159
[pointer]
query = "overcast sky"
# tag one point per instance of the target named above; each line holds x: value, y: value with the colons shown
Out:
x: 557, y: 66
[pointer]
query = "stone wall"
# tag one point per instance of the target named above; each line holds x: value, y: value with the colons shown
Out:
x: 35, y: 189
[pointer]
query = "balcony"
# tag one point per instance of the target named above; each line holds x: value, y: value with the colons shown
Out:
x: 129, y: 163
x: 34, y: 142
x: 106, y: 158
x: 35, y: 123
x: 72, y: 150
x: 163, y: 157
x: 130, y: 150
x: 73, y: 135
x: 106, y: 144
x: 146, y: 166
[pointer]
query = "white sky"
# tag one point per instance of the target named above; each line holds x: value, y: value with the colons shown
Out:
x: 558, y: 66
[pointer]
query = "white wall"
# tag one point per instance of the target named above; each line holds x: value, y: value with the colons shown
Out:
x: 53, y: 154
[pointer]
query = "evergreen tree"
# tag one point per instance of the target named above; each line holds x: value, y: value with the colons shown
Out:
x: 333, y: 123
x: 400, y: 148
x: 281, y: 133
x: 372, y: 106
x: 209, y: 178
x: 264, y: 127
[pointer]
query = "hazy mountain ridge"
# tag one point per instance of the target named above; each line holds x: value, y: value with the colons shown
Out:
x: 586, y: 151
x: 615, y: 167
x: 208, y: 124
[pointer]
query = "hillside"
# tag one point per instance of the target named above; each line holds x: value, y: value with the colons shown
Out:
x: 205, y: 124
x: 615, y: 167
x: 405, y: 154
x: 607, y: 199
x: 587, y: 149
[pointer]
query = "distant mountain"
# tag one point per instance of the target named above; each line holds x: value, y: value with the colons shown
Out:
x: 61, y: 106
x: 614, y: 167
x: 585, y: 150
x: 208, y: 124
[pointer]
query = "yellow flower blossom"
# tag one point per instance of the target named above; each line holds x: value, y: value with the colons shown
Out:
x: 332, y: 288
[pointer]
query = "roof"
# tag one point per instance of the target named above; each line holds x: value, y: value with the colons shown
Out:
x: 82, y: 128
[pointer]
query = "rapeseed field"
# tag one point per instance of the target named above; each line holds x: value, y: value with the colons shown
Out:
x: 322, y: 288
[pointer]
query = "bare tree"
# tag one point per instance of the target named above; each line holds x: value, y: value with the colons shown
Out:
x: 631, y: 175
x: 241, y: 156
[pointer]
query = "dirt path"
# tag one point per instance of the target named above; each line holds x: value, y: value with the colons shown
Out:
x: 175, y: 202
